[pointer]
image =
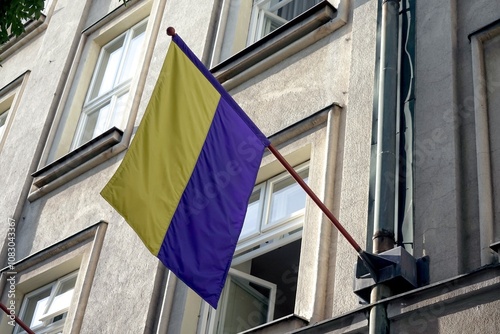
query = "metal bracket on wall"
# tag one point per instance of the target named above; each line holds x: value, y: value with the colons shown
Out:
x: 396, y: 268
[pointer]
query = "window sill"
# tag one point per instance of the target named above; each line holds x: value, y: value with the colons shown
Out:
x: 77, y: 162
x: 32, y: 29
x: 283, y: 42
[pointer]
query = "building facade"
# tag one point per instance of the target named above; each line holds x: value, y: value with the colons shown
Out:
x: 312, y: 75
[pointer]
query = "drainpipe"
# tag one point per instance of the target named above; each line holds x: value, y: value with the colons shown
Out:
x: 387, y: 157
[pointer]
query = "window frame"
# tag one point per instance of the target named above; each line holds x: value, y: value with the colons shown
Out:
x: 3, y: 121
x: 32, y: 29
x: 221, y: 313
x: 10, y: 96
x: 59, y: 164
x: 46, y: 326
x: 262, y: 9
x: 488, y: 234
x: 93, y: 104
x: 285, y: 231
x: 274, y: 47
x: 78, y: 252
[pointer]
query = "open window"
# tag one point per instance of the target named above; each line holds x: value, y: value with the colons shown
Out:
x: 262, y: 282
x: 244, y: 297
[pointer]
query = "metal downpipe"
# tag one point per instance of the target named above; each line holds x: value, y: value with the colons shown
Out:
x: 387, y: 157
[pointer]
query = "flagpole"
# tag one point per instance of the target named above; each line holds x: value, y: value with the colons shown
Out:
x: 16, y: 319
x: 323, y: 207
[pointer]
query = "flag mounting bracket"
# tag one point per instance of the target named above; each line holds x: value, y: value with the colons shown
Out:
x: 396, y: 268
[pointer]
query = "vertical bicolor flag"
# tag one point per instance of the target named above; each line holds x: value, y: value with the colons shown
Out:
x: 185, y: 181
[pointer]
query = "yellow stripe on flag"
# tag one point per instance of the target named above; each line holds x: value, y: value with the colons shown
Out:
x: 151, y: 179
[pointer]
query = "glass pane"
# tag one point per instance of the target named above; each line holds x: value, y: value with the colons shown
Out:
x: 93, y: 123
x: 252, y: 218
x: 295, y: 8
x: 3, y: 119
x: 88, y: 130
x: 102, y: 123
x: 63, y: 297
x: 105, y: 74
x: 133, y: 52
x: 271, y: 24
x: 280, y: 12
x: 36, y: 307
x: 117, y: 118
x: 247, y: 305
x: 287, y: 198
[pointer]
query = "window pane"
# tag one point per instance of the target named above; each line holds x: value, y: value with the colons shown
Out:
x: 294, y: 8
x: 94, y: 122
x: 247, y: 305
x: 36, y: 307
x: 118, y: 116
x: 108, y: 68
x: 102, y: 120
x: 260, y: 290
x: 133, y: 52
x: 3, y: 119
x: 63, y: 296
x: 287, y: 198
x: 252, y: 218
x: 279, y: 12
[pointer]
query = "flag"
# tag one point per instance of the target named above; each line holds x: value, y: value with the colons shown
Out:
x: 185, y: 181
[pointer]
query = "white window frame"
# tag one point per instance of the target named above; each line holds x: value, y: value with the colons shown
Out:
x: 3, y: 121
x: 47, y: 327
x: 92, y: 105
x: 241, y: 24
x: 9, y: 102
x: 46, y: 7
x: 61, y: 139
x: 271, y: 236
x: 224, y: 298
x: 261, y: 9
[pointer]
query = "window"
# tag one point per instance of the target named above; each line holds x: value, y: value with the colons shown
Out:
x: 3, y: 121
x: 45, y: 309
x: 95, y: 115
x: 245, y: 22
x: 30, y: 31
x: 101, y: 94
x: 46, y: 7
x: 275, y: 207
x: 104, y: 106
x: 9, y: 101
x: 269, y: 15
x: 261, y: 289
x: 262, y: 282
x: 53, y: 284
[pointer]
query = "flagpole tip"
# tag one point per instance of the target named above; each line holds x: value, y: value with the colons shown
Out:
x: 171, y: 31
